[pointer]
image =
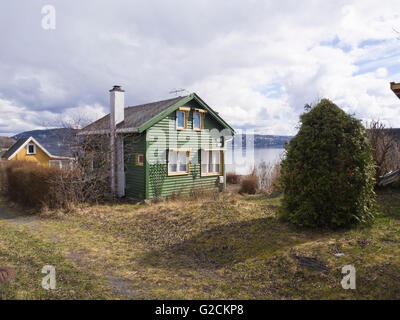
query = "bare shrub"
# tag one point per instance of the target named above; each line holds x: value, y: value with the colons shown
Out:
x: 232, y: 178
x: 268, y: 175
x: 275, y: 178
x: 249, y: 184
x: 35, y: 186
x: 197, y: 193
x: 2, y: 177
x: 203, y: 194
x: 385, y: 152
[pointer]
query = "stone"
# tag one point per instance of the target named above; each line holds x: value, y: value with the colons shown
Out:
x: 6, y: 274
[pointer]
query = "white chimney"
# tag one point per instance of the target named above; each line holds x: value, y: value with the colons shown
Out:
x: 117, y: 109
x: 117, y: 105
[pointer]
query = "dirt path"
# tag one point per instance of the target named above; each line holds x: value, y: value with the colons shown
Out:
x: 120, y: 286
x: 13, y: 216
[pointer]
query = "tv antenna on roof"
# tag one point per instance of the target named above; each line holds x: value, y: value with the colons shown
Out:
x: 176, y: 91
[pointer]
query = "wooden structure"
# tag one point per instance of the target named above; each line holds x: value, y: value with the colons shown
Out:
x: 29, y: 149
x: 164, y: 147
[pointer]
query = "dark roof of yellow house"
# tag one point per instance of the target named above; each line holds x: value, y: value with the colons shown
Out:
x: 395, y: 88
x: 17, y: 146
x: 14, y: 148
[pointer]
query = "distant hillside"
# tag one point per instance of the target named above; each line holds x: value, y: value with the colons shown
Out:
x: 262, y: 141
x: 54, y: 140
x: 6, y: 142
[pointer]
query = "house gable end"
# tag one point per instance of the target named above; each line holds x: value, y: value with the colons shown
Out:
x: 24, y: 144
x: 181, y: 103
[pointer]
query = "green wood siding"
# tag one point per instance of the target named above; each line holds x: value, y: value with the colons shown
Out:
x: 163, y: 136
x: 135, y: 178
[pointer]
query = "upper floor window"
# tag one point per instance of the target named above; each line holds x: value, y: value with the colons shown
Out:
x: 198, y: 120
x: 181, y: 118
x: 31, y: 149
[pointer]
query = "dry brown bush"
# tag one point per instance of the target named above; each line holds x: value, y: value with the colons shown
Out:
x: 35, y: 186
x: 232, y: 178
x: 385, y: 148
x: 2, y: 177
x: 249, y: 184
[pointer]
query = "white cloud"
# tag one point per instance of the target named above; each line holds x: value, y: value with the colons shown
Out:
x: 16, y: 118
x: 256, y: 62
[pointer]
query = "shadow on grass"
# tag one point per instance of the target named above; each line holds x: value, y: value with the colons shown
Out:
x: 229, y: 244
x: 9, y: 213
x: 389, y: 202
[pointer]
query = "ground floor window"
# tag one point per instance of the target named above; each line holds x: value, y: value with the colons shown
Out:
x: 63, y: 164
x: 211, y: 162
x: 178, y: 162
x: 139, y: 159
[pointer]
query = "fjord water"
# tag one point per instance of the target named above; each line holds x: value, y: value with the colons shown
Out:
x: 242, y: 160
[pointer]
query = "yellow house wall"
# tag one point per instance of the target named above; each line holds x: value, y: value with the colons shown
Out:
x: 40, y: 156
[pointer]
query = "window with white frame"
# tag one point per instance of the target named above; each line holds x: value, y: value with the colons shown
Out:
x: 211, y: 162
x: 55, y: 164
x: 62, y: 164
x: 178, y: 162
x: 31, y: 148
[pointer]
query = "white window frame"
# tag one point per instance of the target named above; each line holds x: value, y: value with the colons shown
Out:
x: 55, y: 161
x: 206, y: 165
x: 27, y: 148
x: 178, y: 172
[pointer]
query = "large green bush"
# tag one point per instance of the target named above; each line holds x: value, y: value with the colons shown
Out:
x: 328, y: 173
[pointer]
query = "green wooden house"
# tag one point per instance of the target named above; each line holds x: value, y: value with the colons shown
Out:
x: 165, y: 147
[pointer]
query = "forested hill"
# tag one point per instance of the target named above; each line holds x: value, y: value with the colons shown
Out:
x: 6, y: 142
x: 261, y: 140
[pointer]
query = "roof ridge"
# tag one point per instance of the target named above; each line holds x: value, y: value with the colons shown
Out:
x: 144, y: 104
x: 134, y: 116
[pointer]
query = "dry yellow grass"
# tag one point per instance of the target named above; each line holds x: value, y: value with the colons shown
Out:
x: 217, y: 246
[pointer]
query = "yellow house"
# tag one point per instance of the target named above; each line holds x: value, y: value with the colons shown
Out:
x: 29, y: 149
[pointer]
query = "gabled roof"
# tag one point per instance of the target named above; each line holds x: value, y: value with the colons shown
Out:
x: 140, y: 118
x: 57, y: 141
x: 395, y: 88
x: 21, y: 143
x: 16, y: 146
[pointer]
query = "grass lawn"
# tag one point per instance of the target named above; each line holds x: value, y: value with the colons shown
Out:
x: 228, y: 247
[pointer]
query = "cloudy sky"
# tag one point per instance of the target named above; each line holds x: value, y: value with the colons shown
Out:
x: 256, y: 62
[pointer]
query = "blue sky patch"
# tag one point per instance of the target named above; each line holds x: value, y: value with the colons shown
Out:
x: 336, y: 43
x: 273, y: 90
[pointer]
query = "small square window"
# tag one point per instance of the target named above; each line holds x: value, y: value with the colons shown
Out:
x: 140, y: 159
x: 31, y: 149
